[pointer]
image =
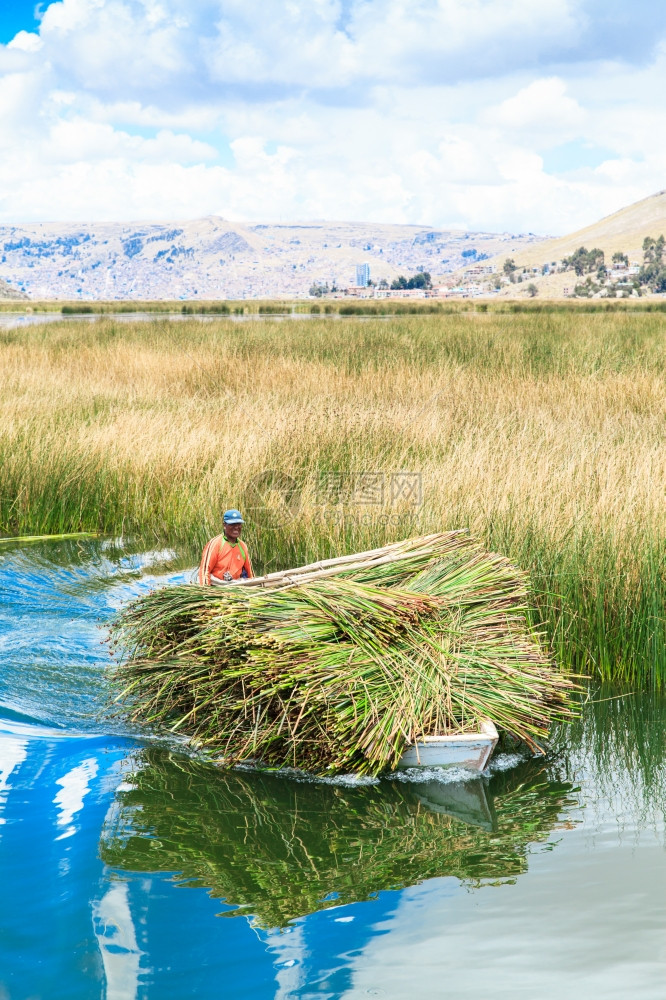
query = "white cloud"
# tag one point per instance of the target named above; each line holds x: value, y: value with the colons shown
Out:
x: 77, y: 141
x: 467, y: 160
x: 427, y: 111
x: 26, y: 41
x: 543, y: 104
x: 452, y: 40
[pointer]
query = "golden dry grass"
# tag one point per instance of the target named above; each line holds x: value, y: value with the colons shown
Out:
x: 543, y: 433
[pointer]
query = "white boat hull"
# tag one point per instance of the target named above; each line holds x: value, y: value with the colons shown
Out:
x: 469, y: 750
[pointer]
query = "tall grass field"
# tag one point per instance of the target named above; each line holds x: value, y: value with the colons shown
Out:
x: 543, y: 433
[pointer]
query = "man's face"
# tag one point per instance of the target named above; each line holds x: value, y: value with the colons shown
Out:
x: 233, y: 531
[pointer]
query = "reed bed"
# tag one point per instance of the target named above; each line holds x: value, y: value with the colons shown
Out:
x: 543, y: 433
x: 341, y: 306
x: 340, y: 669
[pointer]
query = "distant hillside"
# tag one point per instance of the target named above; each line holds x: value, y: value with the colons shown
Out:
x: 623, y: 231
x: 7, y: 292
x: 212, y: 258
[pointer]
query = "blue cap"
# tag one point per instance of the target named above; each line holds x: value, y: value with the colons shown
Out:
x: 233, y: 517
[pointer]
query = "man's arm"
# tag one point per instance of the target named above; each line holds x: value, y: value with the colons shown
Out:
x: 216, y: 572
x: 209, y: 561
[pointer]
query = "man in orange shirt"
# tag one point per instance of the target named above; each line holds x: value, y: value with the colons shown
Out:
x: 225, y: 557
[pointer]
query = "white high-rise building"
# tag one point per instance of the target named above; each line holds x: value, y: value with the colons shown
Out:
x: 362, y: 275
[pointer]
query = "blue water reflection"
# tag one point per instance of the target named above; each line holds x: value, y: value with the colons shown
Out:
x: 56, y: 791
x: 132, y: 871
x: 72, y: 927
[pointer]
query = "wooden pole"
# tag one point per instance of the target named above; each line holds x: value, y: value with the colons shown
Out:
x: 344, y: 564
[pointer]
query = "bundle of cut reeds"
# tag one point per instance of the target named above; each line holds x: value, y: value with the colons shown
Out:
x: 340, y: 665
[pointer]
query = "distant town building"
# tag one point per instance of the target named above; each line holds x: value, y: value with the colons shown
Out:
x: 362, y: 275
x: 622, y: 270
x: 479, y: 269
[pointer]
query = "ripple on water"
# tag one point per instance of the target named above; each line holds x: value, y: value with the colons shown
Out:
x: 57, y: 596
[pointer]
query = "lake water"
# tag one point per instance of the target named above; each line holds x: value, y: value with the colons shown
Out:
x: 14, y: 321
x: 130, y: 869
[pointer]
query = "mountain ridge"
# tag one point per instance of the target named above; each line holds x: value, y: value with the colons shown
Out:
x: 621, y: 231
x: 7, y: 292
x: 214, y: 258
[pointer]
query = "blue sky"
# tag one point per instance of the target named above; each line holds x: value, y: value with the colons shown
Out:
x: 16, y: 15
x: 483, y: 114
